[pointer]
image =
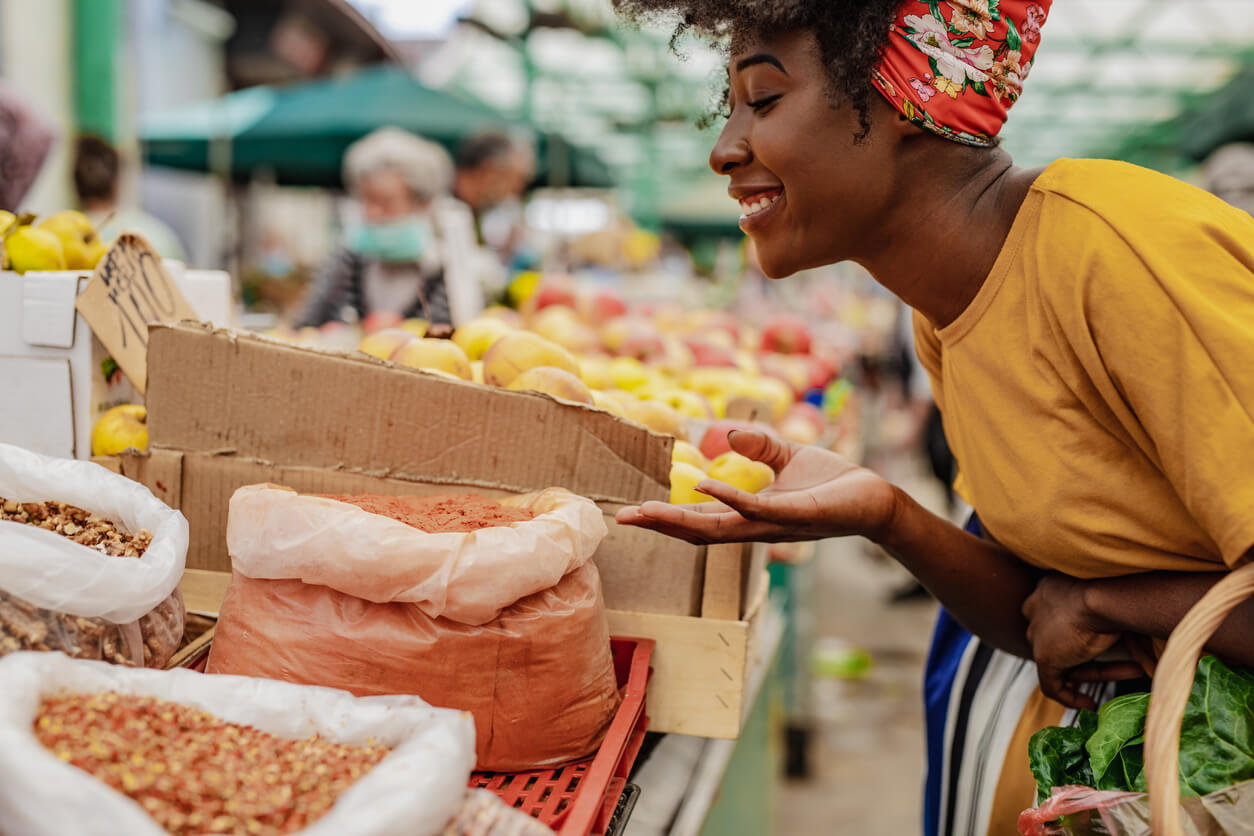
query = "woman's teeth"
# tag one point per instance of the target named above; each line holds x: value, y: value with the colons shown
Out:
x: 753, y: 205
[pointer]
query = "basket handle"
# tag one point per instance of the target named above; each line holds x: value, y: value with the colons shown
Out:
x: 1173, y: 681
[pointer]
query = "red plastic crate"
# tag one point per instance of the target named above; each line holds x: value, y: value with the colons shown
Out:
x: 579, y: 799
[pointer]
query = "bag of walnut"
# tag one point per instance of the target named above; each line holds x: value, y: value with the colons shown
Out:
x: 89, y: 562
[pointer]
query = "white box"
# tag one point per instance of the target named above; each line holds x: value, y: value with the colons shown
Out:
x: 52, y: 380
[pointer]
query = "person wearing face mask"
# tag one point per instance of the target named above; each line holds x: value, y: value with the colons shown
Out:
x: 405, y: 253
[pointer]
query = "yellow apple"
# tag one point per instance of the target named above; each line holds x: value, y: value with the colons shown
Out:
x: 684, y: 480
x: 438, y: 355
x: 383, y: 344
x: 686, y: 453
x: 120, y: 428
x: 514, y: 353
x: 602, y: 400
x: 658, y: 417
x: 741, y: 472
x: 556, y: 382
x: 478, y: 335
x: 628, y: 373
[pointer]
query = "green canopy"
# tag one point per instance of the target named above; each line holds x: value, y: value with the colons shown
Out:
x: 298, y: 133
x: 1225, y: 116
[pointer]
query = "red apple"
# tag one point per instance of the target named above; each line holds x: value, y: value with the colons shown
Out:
x: 706, y: 353
x: 821, y: 371
x: 645, y: 347
x: 602, y: 305
x: 786, y: 334
x: 554, y: 292
x: 714, y: 443
x: 790, y: 368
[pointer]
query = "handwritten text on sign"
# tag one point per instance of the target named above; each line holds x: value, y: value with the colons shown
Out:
x: 128, y: 290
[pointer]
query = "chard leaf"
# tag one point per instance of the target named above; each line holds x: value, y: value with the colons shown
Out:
x: 1058, y: 758
x: 1115, y: 748
x: 1217, y: 735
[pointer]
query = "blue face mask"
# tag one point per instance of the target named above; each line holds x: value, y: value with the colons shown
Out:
x: 404, y: 239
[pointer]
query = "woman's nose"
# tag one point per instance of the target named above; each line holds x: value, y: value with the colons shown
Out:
x: 731, y: 149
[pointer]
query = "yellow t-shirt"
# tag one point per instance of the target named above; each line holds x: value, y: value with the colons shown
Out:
x: 1098, y: 392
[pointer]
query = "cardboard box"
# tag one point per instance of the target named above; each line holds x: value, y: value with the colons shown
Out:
x: 229, y: 409
x: 51, y: 365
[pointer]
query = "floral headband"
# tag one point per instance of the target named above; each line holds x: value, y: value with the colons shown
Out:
x: 955, y: 67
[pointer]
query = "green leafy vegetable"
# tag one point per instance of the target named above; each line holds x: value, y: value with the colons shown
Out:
x: 1105, y: 750
x: 1058, y: 757
x: 1115, y: 748
x: 1217, y: 735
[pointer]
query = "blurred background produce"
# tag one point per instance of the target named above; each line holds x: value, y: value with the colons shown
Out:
x: 558, y: 230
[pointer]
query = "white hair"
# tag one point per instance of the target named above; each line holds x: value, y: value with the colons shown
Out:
x: 425, y: 166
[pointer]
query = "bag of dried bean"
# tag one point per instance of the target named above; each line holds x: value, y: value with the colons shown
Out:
x: 90, y: 562
x: 492, y: 607
x: 99, y: 750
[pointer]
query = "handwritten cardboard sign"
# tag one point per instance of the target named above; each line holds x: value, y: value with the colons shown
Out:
x: 128, y: 290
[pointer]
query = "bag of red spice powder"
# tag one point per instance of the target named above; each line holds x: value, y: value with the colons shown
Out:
x: 496, y: 609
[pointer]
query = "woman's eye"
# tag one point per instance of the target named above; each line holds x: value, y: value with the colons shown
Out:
x: 759, y: 105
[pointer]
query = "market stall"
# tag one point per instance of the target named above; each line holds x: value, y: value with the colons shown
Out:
x: 305, y: 477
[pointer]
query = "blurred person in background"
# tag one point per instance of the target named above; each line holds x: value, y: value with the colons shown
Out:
x: 494, y: 169
x: 25, y: 140
x: 404, y: 256
x: 97, y: 171
x: 1229, y: 175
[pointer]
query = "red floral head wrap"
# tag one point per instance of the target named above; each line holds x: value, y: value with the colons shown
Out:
x: 955, y: 67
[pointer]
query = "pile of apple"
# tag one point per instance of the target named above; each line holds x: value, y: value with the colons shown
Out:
x: 64, y: 240
x: 678, y: 373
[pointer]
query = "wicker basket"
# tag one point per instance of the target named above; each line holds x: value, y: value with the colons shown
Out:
x: 1173, y: 680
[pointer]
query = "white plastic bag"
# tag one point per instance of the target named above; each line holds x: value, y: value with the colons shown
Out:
x: 274, y: 533
x: 49, y: 571
x: 414, y: 791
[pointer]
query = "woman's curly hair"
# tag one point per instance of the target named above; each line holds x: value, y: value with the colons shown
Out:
x: 851, y: 33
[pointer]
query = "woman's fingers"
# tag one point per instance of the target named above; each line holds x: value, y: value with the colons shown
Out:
x: 747, y: 504
x: 1106, y: 672
x: 1055, y: 685
x: 760, y: 447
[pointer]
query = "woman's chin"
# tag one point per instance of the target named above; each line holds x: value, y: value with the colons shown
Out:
x: 776, y: 267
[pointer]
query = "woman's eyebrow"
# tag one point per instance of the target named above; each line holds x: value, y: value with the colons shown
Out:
x: 760, y: 58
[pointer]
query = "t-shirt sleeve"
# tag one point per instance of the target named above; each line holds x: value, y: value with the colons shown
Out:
x: 1171, y: 317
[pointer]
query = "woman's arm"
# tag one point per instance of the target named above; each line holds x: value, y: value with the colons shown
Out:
x: 1070, y: 618
x: 978, y: 581
x: 818, y: 494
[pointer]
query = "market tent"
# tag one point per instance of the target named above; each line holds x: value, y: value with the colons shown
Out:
x: 1223, y: 117
x: 297, y: 134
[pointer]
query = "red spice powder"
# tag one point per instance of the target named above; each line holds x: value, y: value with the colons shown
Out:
x: 437, y: 514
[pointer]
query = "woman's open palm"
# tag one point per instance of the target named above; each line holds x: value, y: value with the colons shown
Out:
x: 816, y: 494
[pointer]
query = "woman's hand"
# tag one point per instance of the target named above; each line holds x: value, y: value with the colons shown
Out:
x: 439, y: 331
x: 1067, y: 637
x: 816, y: 494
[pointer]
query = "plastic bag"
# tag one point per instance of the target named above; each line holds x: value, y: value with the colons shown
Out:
x: 484, y: 814
x: 539, y: 679
x: 1081, y: 811
x: 415, y: 791
x: 60, y: 595
x: 275, y: 533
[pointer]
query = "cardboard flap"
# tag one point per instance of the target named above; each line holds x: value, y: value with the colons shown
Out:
x: 48, y: 314
x: 216, y: 390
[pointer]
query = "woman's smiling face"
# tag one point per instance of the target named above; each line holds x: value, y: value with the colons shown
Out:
x: 809, y: 194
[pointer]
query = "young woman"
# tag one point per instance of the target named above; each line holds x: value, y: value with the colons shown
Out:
x: 1088, y: 329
